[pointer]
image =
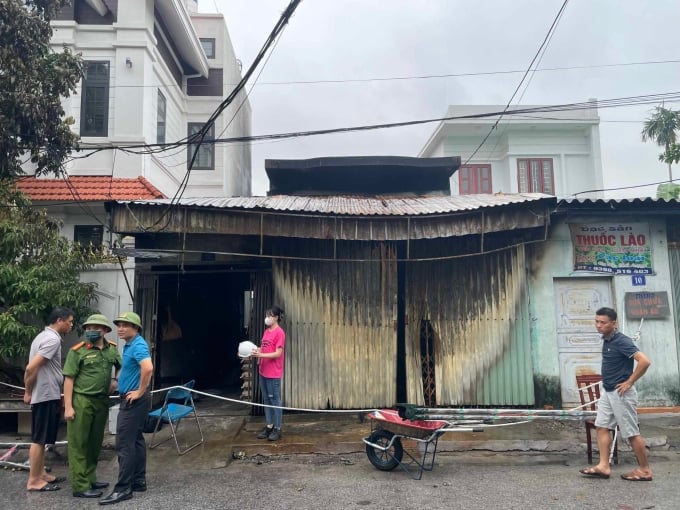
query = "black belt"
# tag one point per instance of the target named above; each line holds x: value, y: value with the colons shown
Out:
x: 100, y: 395
x: 123, y: 393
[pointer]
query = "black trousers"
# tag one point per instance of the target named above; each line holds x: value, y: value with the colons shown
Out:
x: 130, y: 444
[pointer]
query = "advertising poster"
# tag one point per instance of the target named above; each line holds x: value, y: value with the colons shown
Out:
x: 614, y: 248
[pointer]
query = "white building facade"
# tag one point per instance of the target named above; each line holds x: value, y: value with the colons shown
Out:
x: 154, y: 72
x: 557, y: 153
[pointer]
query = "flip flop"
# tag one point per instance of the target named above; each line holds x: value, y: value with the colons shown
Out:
x: 593, y: 473
x: 46, y: 488
x: 58, y: 479
x: 632, y: 477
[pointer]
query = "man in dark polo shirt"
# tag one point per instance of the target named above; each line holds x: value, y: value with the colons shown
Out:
x: 618, y: 401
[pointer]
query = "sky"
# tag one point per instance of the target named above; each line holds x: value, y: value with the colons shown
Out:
x: 370, y: 40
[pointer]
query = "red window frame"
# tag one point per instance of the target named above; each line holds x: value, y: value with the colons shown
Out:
x: 474, y: 179
x: 535, y: 175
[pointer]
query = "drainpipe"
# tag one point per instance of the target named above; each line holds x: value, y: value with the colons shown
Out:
x: 99, y: 6
x: 185, y: 78
x: 127, y: 282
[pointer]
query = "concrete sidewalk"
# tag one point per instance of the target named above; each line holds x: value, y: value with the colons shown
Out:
x: 233, y: 437
x: 343, y: 433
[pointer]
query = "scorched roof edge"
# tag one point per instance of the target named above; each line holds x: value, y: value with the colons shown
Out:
x: 355, y: 206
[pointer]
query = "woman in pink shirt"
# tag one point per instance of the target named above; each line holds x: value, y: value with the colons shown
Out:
x: 270, y: 353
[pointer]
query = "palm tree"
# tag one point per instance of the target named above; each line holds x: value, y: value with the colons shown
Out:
x: 661, y: 127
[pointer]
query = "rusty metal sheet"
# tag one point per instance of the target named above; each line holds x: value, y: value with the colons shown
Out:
x: 341, y: 341
x: 136, y: 218
x: 381, y: 205
x: 477, y: 309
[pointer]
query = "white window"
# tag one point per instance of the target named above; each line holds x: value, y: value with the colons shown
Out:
x: 205, y: 160
x: 160, y: 118
x: 208, y: 47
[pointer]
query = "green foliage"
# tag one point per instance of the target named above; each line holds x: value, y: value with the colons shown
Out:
x: 33, y: 80
x: 661, y: 128
x: 668, y: 191
x: 39, y: 270
x: 672, y: 154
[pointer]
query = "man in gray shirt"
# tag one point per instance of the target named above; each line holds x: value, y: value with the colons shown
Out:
x: 43, y: 380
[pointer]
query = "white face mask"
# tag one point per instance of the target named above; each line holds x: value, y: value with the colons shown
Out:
x: 268, y: 321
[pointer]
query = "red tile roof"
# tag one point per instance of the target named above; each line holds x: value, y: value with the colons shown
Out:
x: 92, y: 188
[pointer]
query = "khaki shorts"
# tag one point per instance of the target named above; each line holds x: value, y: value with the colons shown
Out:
x: 614, y: 409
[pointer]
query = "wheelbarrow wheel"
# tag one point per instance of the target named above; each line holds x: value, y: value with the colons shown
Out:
x: 388, y: 459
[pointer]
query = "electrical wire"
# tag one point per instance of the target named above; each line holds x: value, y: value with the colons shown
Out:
x: 599, y: 104
x: 263, y: 256
x: 209, y: 124
x: 428, y: 76
x: 471, y: 74
x: 197, y: 140
x: 546, y: 39
x: 247, y: 95
x: 82, y: 204
x: 542, y: 52
x: 624, y: 187
x: 602, y: 190
x: 245, y: 99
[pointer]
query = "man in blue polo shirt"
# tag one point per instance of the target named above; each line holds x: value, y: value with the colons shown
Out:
x: 135, y: 403
x: 618, y: 403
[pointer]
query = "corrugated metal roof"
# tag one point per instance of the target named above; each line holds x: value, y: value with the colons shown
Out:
x: 635, y: 200
x: 637, y: 205
x: 360, y: 206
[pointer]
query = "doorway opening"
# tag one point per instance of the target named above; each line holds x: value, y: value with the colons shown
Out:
x: 202, y: 317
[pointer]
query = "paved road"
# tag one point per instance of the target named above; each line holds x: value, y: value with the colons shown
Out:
x: 459, y: 481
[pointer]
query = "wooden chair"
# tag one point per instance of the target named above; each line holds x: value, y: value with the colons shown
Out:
x: 589, y: 393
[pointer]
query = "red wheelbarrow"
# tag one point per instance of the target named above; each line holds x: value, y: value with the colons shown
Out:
x: 384, y: 447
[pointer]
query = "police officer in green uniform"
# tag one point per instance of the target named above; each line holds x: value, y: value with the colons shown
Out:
x: 87, y: 386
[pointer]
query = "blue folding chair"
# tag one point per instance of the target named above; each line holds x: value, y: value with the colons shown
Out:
x: 172, y: 413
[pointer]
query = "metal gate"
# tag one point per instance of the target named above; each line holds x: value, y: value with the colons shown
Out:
x: 467, y: 331
x: 261, y: 287
x: 674, y: 263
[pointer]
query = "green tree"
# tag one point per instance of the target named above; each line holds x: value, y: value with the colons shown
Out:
x: 661, y: 127
x: 39, y: 269
x: 672, y: 154
x: 33, y: 80
x: 668, y: 191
